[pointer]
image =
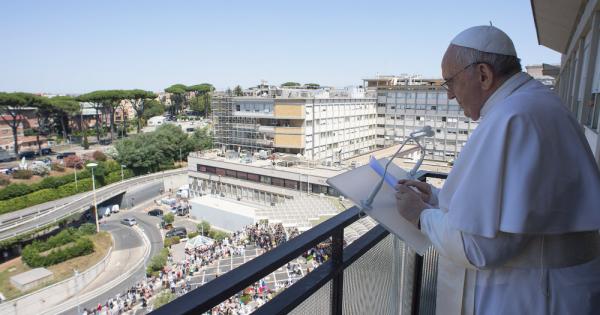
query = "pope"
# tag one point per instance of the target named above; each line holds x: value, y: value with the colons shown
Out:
x: 516, y: 222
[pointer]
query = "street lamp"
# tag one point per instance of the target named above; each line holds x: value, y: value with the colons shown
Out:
x: 92, y: 166
x: 75, y: 168
x: 122, y: 166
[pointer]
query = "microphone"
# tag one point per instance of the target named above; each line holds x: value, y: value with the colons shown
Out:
x: 415, y: 135
x: 423, y: 132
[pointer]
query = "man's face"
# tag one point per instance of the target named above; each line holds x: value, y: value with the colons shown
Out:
x: 463, y: 84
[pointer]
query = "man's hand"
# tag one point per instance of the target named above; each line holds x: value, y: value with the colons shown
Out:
x: 423, y: 188
x: 409, y: 203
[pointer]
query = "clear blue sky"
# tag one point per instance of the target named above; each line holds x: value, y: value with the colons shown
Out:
x: 79, y: 46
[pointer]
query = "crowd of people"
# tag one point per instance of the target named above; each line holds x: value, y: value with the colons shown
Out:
x: 177, y: 277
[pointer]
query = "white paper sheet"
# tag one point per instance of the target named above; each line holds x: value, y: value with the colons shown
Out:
x: 358, y: 183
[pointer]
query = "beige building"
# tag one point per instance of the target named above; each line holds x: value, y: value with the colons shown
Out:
x: 326, y: 125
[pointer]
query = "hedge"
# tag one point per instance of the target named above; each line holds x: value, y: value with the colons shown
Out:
x: 66, y: 190
x: 171, y: 241
x: 80, y: 245
x: 17, y: 190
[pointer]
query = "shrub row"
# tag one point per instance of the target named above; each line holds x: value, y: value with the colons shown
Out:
x: 80, y: 245
x: 171, y: 241
x: 17, y: 190
x: 49, y: 194
x: 33, y: 258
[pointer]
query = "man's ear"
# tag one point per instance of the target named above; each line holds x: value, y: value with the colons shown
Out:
x: 486, y: 76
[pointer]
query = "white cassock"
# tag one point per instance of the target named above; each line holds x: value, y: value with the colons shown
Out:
x: 518, y: 217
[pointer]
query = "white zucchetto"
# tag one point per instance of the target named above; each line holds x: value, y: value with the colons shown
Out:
x: 486, y: 38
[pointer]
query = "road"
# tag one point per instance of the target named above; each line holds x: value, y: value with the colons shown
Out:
x: 126, y: 238
x: 75, y: 204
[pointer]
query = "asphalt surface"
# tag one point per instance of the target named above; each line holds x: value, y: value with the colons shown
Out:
x: 75, y: 204
x: 125, y: 238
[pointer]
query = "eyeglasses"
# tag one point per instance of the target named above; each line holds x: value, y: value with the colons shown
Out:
x: 446, y: 84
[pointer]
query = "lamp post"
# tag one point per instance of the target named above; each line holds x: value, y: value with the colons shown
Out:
x: 77, y: 290
x: 122, y: 177
x: 92, y: 166
x: 75, y: 168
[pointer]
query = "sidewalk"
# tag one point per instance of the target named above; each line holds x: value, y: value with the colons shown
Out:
x: 121, y: 265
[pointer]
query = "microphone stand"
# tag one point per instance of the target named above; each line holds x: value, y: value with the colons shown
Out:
x: 366, y: 204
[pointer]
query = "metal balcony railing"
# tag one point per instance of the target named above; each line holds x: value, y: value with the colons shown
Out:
x: 375, y: 274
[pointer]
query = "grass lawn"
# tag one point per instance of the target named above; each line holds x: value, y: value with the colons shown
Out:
x: 102, y: 242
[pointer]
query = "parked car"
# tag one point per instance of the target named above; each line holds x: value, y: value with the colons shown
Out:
x: 46, y: 151
x: 129, y: 221
x: 181, y: 210
x: 178, y: 231
x: 115, y: 208
x: 155, y: 212
x: 27, y: 154
x: 63, y: 155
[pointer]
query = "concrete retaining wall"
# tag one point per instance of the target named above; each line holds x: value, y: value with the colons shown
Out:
x: 38, y: 301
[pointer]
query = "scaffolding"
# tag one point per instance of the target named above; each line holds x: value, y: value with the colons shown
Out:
x: 233, y: 132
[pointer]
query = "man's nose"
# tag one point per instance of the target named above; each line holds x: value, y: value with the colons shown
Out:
x: 451, y: 95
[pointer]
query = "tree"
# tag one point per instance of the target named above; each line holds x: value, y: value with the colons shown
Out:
x: 290, y: 84
x: 169, y: 218
x: 237, y: 91
x: 173, y: 142
x: 96, y: 98
x: 153, y: 108
x: 201, y: 139
x: 112, y: 101
x: 196, y: 104
x: 313, y: 86
x: 44, y: 110
x: 177, y: 92
x: 138, y: 99
x: 66, y: 108
x: 13, y: 105
x: 140, y: 153
x: 204, y: 227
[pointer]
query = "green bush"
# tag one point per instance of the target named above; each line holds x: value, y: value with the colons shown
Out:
x: 77, y: 245
x: 204, y: 227
x: 193, y: 234
x: 218, y: 235
x: 157, y: 262
x: 172, y: 241
x: 169, y: 218
x: 87, y: 229
x: 22, y: 174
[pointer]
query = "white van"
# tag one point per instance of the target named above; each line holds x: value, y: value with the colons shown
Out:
x: 115, y: 208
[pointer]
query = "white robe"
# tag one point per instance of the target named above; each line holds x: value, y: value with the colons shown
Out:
x: 525, y: 172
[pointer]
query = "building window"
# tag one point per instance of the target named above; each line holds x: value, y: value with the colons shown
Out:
x: 265, y: 179
x: 230, y: 173
x: 277, y: 182
x: 292, y: 184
